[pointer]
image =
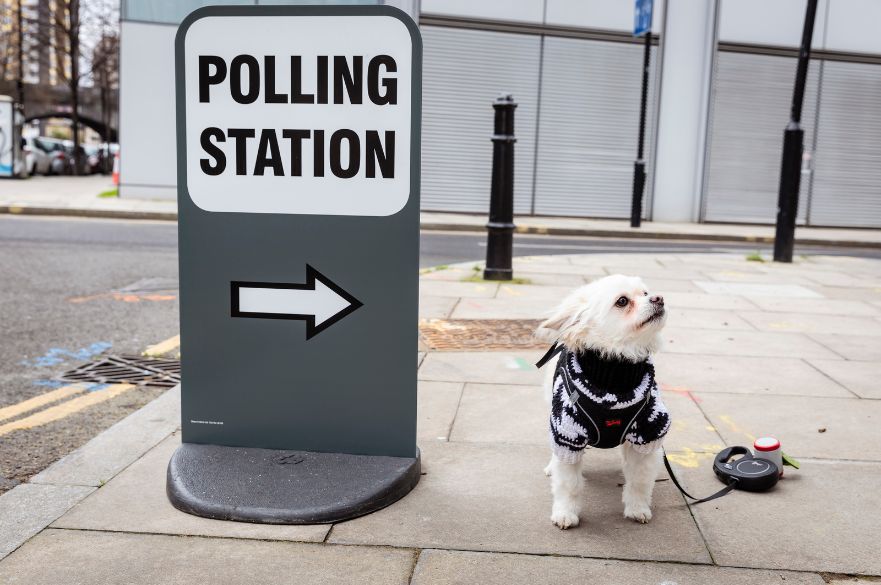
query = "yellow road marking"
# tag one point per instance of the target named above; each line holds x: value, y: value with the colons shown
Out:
x: 163, y: 347
x: 65, y: 408
x: 24, y: 406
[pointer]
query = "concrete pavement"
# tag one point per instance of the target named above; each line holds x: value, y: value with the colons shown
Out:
x: 77, y: 196
x: 751, y: 349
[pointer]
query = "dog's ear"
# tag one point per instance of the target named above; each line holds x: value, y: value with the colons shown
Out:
x: 552, y: 327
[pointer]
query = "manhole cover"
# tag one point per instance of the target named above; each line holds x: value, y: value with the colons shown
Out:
x: 477, y: 334
x: 127, y: 369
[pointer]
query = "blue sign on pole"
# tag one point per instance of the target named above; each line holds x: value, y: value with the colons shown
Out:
x: 642, y: 17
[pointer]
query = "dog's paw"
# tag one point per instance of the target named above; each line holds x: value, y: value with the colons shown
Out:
x: 564, y: 519
x: 638, y: 513
x: 547, y: 469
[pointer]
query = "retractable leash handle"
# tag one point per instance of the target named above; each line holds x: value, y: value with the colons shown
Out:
x: 748, y: 473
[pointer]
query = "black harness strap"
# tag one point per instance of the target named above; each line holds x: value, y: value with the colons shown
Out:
x: 731, y: 485
x: 555, y: 349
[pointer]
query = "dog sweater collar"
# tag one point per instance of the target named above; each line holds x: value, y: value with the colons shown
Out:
x: 609, y: 373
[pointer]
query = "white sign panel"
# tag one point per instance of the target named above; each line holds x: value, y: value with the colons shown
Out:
x: 7, y: 138
x: 310, y: 116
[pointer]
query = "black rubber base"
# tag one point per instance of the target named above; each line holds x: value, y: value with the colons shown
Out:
x: 285, y: 487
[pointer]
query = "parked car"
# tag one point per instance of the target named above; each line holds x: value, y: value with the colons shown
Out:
x: 94, y: 159
x: 37, y: 160
x: 60, y: 160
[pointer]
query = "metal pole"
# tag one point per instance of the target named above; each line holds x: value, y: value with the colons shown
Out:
x: 793, y: 142
x: 500, y: 229
x: 639, y: 163
x: 19, y: 83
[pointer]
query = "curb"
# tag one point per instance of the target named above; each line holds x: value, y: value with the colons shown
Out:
x: 30, y: 507
x: 649, y: 235
x: 83, y: 212
x: 460, y: 227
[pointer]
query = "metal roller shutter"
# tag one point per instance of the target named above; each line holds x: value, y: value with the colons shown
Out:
x: 847, y: 181
x: 464, y: 71
x: 752, y: 95
x: 589, y: 123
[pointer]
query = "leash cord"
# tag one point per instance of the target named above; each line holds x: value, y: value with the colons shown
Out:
x: 725, y: 490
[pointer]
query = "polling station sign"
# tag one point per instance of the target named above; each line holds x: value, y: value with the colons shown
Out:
x: 316, y: 122
x: 298, y: 194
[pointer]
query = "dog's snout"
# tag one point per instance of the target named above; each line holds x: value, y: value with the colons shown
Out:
x: 657, y: 300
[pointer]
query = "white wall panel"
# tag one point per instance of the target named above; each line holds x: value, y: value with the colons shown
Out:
x: 853, y: 26
x: 600, y: 14
x: 517, y: 10
x: 847, y: 182
x: 464, y: 71
x: 769, y: 22
x: 751, y: 103
x: 146, y: 111
x: 589, y: 123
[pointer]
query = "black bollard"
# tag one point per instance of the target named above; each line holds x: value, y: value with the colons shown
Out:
x: 500, y: 229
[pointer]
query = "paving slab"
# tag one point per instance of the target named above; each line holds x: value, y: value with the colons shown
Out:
x: 817, y: 306
x: 820, y: 518
x: 565, y: 280
x: 869, y: 295
x: 665, y: 286
x: 861, y: 378
x: 539, y: 266
x: 679, y: 316
x: 743, y: 343
x: 851, y: 424
x: 493, y: 413
x: 496, y: 413
x: 135, y: 501
x: 445, y: 288
x: 101, y: 558
x: 813, y: 323
x: 690, y: 430
x: 490, y: 367
x: 113, y: 450
x: 842, y: 279
x: 437, y: 403
x: 755, y: 275
x: 28, y: 508
x: 546, y: 296
x: 793, y: 291
x: 851, y: 347
x: 653, y: 270
x: 746, y: 375
x: 486, y: 497
x: 439, y: 567
x: 510, y: 308
x: 449, y: 274
x: 436, y: 307
x: 702, y: 300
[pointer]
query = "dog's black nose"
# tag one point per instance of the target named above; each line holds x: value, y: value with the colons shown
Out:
x: 657, y: 300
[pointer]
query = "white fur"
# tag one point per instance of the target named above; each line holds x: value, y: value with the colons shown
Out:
x: 590, y: 319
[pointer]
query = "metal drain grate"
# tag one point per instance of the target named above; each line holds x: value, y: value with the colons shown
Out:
x: 127, y: 369
x: 479, y: 334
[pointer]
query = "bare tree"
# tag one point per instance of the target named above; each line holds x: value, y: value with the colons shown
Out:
x: 70, y: 34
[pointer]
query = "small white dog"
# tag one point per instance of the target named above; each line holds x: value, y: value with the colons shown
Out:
x: 603, y: 392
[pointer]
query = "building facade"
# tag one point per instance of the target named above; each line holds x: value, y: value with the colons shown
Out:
x: 720, y: 89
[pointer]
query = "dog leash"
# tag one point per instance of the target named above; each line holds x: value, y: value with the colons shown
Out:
x: 725, y: 490
x: 555, y: 349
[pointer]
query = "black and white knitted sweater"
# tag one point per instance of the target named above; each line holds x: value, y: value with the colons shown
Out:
x: 602, y: 402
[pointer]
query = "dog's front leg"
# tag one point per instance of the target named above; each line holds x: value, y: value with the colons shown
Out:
x: 567, y: 485
x: 640, y: 473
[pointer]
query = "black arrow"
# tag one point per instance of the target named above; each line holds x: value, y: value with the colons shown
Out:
x: 319, y: 302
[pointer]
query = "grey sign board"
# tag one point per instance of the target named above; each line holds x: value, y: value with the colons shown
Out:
x: 298, y: 133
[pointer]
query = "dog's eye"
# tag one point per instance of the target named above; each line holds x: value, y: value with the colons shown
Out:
x: 622, y: 302
x: 645, y: 293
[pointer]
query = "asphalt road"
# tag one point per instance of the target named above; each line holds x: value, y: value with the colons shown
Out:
x: 74, y: 289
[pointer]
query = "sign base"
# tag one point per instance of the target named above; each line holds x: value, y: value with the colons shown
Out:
x: 270, y: 486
